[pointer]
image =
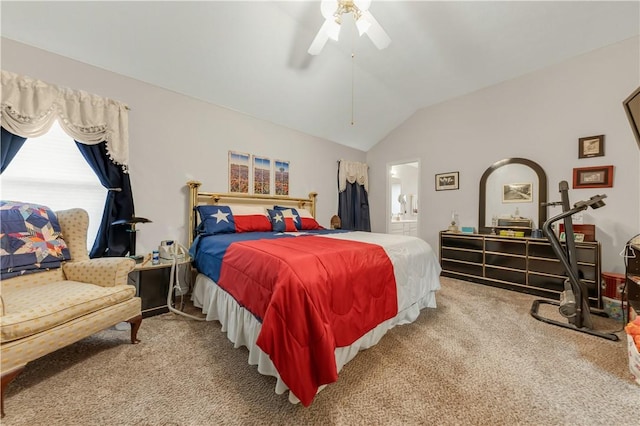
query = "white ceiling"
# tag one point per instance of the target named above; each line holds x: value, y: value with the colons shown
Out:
x: 251, y: 56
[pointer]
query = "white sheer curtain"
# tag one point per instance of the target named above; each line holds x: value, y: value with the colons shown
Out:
x: 352, y: 172
x: 30, y: 107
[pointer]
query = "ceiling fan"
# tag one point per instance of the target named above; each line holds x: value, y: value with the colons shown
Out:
x: 332, y: 10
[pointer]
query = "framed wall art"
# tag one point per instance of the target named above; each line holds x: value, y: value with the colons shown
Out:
x: 517, y: 193
x: 593, y: 177
x: 592, y: 146
x: 239, y: 172
x: 261, y: 175
x: 447, y: 181
x: 281, y: 177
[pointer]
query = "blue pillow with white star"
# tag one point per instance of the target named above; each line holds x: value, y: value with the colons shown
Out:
x: 216, y: 220
x: 281, y: 223
x: 293, y: 213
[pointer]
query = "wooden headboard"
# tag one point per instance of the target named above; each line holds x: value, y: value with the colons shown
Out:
x: 199, y: 198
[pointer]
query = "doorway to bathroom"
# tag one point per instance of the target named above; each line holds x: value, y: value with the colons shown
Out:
x: 402, y: 197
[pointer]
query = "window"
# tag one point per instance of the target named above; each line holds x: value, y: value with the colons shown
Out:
x: 50, y: 170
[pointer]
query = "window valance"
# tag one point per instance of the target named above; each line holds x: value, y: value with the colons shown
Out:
x: 29, y: 108
x: 352, y: 172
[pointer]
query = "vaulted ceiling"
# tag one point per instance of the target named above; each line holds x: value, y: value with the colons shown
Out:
x: 251, y: 56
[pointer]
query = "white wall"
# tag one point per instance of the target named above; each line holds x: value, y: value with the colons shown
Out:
x: 539, y: 116
x: 175, y: 138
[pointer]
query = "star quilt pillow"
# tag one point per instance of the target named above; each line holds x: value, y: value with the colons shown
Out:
x: 216, y: 220
x: 302, y: 218
x: 31, y: 239
x: 292, y: 213
x: 280, y: 222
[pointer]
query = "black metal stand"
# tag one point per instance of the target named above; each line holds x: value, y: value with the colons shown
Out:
x: 574, y: 300
x: 132, y: 234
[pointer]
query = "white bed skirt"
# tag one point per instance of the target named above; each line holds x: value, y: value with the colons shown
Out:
x: 242, y: 328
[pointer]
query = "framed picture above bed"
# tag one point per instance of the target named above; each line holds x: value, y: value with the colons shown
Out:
x: 281, y: 175
x: 261, y: 175
x: 239, y: 165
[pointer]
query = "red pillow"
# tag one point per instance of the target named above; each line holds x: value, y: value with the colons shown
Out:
x: 309, y: 223
x: 252, y: 223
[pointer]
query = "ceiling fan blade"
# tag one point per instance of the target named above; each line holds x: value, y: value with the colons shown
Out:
x: 318, y: 43
x: 330, y: 29
x: 375, y: 32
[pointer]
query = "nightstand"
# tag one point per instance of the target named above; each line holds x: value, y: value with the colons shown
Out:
x: 152, y: 284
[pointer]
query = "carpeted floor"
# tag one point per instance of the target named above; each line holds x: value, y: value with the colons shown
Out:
x: 478, y: 359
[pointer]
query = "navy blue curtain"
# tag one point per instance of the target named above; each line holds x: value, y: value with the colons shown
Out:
x: 353, y: 208
x: 11, y: 144
x: 111, y: 240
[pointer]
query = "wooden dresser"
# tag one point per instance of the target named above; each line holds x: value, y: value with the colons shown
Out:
x: 521, y: 264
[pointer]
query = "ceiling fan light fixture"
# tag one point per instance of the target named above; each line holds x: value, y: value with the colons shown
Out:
x: 363, y: 5
x: 332, y: 10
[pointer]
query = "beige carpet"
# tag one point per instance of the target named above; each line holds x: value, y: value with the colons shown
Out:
x: 479, y: 358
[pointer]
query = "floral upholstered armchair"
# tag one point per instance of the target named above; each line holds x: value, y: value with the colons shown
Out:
x: 45, y: 307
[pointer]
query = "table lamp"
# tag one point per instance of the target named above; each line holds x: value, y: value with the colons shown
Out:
x: 132, y: 236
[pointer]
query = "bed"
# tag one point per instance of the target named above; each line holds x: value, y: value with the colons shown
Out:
x: 304, y: 300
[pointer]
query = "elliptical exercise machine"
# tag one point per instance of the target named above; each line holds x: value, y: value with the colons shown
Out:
x: 574, y: 300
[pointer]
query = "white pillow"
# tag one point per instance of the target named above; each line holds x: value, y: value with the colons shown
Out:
x: 305, y: 213
x: 245, y: 210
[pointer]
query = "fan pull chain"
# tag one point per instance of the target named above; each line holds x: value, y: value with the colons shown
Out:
x: 353, y: 55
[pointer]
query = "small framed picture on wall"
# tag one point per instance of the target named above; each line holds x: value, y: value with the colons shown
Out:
x: 517, y: 193
x: 447, y: 181
x: 593, y: 177
x: 592, y: 146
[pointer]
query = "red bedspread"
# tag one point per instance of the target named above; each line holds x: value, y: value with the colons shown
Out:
x: 313, y: 294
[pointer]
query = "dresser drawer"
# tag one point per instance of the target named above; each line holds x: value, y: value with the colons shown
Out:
x: 464, y: 255
x: 506, y: 246
x: 462, y: 267
x: 471, y: 243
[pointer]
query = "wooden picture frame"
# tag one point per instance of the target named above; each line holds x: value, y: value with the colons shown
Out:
x: 591, y: 146
x: 517, y: 193
x: 593, y: 177
x: 447, y: 181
